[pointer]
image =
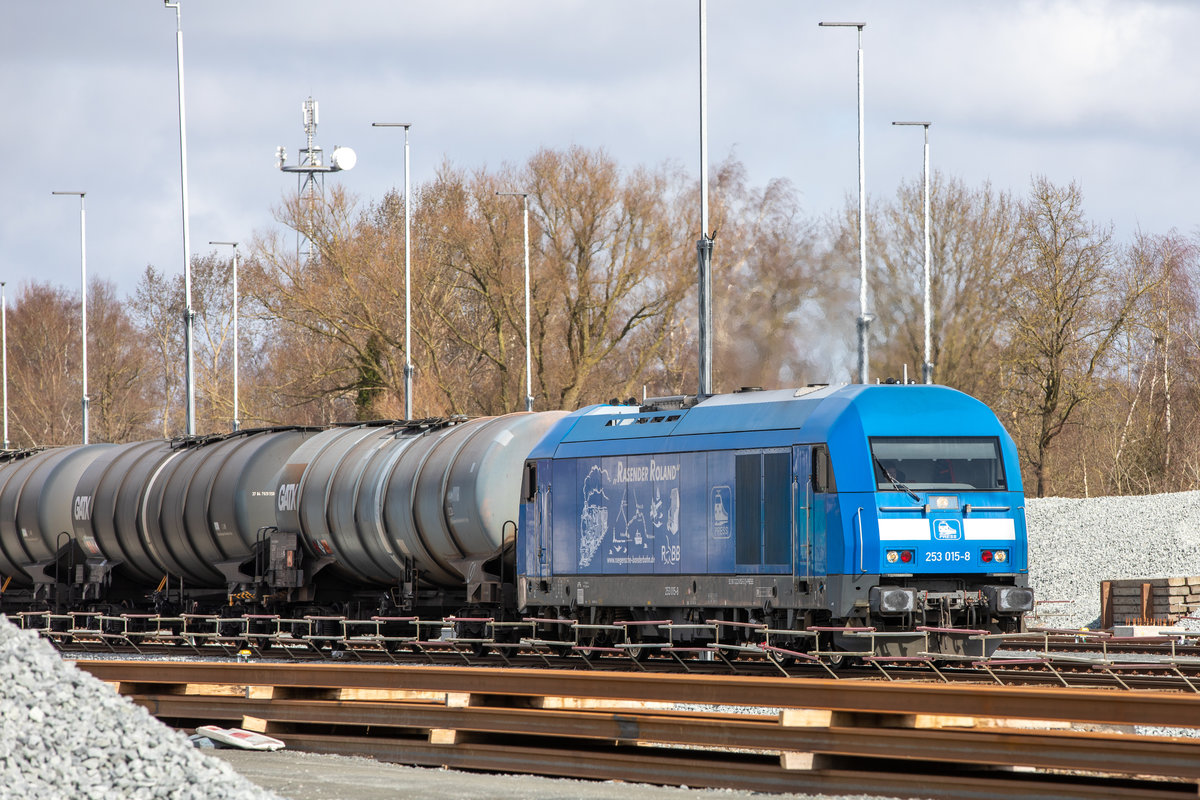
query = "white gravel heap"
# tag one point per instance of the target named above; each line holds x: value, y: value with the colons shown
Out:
x: 65, y: 734
x: 1074, y: 544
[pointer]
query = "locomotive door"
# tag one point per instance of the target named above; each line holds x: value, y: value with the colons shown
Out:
x: 802, y: 506
x: 535, y: 539
x: 544, y: 538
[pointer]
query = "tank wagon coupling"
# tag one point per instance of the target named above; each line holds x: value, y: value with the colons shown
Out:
x: 882, y: 507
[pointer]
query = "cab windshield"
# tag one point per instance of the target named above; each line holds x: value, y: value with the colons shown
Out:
x: 937, y: 463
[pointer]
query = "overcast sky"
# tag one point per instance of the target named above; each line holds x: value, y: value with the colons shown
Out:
x: 1102, y: 92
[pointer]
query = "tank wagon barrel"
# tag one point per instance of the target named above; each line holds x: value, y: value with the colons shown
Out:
x: 189, y: 511
x: 33, y: 513
x: 373, y: 503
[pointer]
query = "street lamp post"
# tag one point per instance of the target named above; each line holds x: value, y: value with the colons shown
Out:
x: 408, y: 366
x: 864, y: 319
x: 82, y: 303
x: 188, y: 315
x: 704, y: 245
x: 927, y: 364
x: 237, y: 423
x: 4, y: 349
x: 528, y: 357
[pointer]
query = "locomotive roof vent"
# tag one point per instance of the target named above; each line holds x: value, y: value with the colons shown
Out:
x: 749, y: 389
x: 677, y: 402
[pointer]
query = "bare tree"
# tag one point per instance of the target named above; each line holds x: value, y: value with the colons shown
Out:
x: 775, y: 294
x: 608, y: 272
x: 124, y: 403
x: 1162, y: 351
x: 348, y: 299
x: 157, y: 311
x: 1070, y: 301
x: 45, y: 382
x: 615, y: 253
x: 973, y: 237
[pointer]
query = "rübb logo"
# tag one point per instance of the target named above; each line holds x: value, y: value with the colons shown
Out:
x: 287, y: 497
x: 947, y: 530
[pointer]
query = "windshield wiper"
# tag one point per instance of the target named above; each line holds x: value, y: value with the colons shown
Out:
x: 896, y: 483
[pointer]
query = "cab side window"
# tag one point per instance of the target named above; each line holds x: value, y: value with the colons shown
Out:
x: 822, y: 471
x: 529, y: 481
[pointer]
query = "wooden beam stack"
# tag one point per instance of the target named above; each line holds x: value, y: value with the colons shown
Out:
x: 1148, y: 601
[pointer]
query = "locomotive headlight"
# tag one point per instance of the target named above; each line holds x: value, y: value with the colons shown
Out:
x: 893, y: 556
x: 1001, y: 556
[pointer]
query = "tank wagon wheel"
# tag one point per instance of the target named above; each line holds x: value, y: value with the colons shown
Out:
x: 839, y: 661
x: 781, y: 659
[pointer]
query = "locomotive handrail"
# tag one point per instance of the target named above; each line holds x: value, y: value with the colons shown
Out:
x: 902, y: 508
x: 861, y: 546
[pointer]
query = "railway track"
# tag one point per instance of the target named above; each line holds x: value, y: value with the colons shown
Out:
x: 812, y: 735
x: 1047, y: 657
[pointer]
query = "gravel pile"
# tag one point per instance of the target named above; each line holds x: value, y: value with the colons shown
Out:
x: 1074, y: 544
x: 64, y: 734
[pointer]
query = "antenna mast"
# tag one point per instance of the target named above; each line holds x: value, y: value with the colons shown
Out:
x: 310, y: 172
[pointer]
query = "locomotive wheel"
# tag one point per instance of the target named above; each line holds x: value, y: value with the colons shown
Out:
x: 638, y: 653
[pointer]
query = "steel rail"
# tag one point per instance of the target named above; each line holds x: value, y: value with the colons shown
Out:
x: 1091, y: 752
x: 1097, y: 706
x: 1074, y: 673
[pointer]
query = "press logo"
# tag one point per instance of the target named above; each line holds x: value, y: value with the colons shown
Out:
x: 947, y: 530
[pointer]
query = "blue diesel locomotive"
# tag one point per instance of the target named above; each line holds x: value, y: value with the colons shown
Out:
x: 886, y: 506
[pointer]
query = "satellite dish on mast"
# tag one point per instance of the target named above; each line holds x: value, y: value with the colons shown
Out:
x: 343, y: 158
